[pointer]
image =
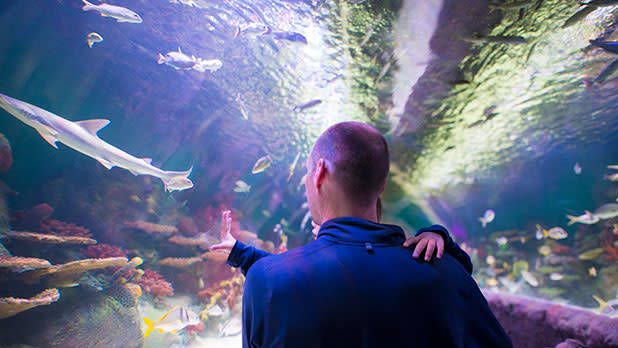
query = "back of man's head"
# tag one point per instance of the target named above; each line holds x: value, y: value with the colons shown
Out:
x: 359, y: 157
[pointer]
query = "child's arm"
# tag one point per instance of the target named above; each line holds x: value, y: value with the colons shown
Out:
x: 450, y: 246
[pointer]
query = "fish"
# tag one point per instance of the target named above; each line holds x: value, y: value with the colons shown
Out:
x: 291, y: 36
x: 120, y: 14
x: 252, y: 29
x: 577, y: 169
x: 545, y: 250
x: 591, y: 254
x: 592, y: 271
x: 612, y: 177
x: 491, y: 282
x: 307, y: 105
x: 508, y: 40
x: 190, y: 3
x: 607, y: 211
x: 178, y: 60
x: 174, y: 320
x: 605, y: 307
x: 553, y: 233
x: 502, y: 241
x: 232, y: 327
x: 612, y: 166
x: 515, y: 5
x: 490, y: 259
x: 293, y: 166
x: 608, y: 71
x: 529, y: 278
x: 261, y: 164
x: 215, y: 311
x: 556, y: 276
x: 242, y: 187
x: 609, y: 46
x: 202, y: 65
x: 243, y: 109
x: 488, y: 217
x: 600, y: 3
x: 82, y: 136
x: 578, y: 16
x: 93, y: 38
x: 588, y: 218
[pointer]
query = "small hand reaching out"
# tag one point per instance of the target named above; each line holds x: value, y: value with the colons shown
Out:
x: 430, y: 240
x: 227, y: 239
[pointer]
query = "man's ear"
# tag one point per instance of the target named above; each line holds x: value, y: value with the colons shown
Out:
x: 320, y: 172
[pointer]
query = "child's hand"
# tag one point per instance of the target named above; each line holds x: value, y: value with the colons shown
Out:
x: 227, y: 240
x: 429, y: 240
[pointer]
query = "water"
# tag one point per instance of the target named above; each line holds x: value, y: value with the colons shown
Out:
x: 471, y: 127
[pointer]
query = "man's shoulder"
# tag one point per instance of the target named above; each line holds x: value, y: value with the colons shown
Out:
x: 288, y: 261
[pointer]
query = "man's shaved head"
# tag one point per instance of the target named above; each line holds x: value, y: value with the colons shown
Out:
x: 359, y: 156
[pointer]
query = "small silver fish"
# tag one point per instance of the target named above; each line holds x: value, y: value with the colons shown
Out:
x: 261, y: 164
x: 293, y: 166
x: 488, y: 217
x: 577, y: 169
x: 307, y: 105
x: 232, y: 327
x: 252, y: 29
x: 243, y: 109
x: 529, y: 278
x: 242, y: 187
x: 607, y: 211
x: 202, y: 65
x: 93, y: 38
x: 120, y: 14
x: 588, y: 218
x: 178, y: 60
x: 508, y: 40
x: 556, y: 276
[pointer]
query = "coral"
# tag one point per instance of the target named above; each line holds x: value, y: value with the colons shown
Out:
x: 9, y: 306
x: 6, y: 157
x: 608, y: 243
x: 153, y: 283
x: 179, y: 262
x: 187, y: 227
x: 31, y: 219
x: 49, y: 238
x: 65, y: 274
x: 151, y: 228
x: 59, y: 228
x: 21, y: 264
x: 219, y: 256
x: 101, y: 251
x: 180, y: 240
x: 227, y: 292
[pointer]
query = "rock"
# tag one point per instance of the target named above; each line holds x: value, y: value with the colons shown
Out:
x: 533, y: 323
x: 6, y: 156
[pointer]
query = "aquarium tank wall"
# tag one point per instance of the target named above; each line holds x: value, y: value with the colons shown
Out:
x: 129, y: 126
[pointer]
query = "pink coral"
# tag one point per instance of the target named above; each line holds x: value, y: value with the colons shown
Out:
x: 101, y: 251
x: 59, y: 228
x: 153, y: 283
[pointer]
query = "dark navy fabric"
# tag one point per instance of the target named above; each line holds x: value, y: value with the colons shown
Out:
x: 357, y: 286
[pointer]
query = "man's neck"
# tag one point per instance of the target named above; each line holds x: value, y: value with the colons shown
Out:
x: 344, y: 210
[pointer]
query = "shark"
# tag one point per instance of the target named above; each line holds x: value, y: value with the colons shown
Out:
x: 82, y: 136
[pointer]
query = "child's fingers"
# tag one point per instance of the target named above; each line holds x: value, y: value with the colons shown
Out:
x: 410, y: 241
x: 440, y: 247
x: 419, y: 248
x: 431, y: 246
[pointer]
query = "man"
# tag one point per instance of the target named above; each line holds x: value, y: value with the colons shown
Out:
x: 356, y: 285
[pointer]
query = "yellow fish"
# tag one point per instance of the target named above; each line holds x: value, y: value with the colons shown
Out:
x: 175, y: 320
x: 261, y: 164
x: 293, y: 166
x: 94, y: 38
x: 553, y: 233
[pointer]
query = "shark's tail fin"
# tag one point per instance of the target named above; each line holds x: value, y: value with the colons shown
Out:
x: 88, y: 6
x: 177, y: 181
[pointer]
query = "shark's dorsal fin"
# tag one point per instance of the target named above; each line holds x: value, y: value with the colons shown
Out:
x: 94, y: 125
x: 179, y: 51
x: 147, y: 160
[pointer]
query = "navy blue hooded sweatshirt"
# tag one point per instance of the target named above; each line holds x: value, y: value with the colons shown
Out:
x: 357, y: 286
